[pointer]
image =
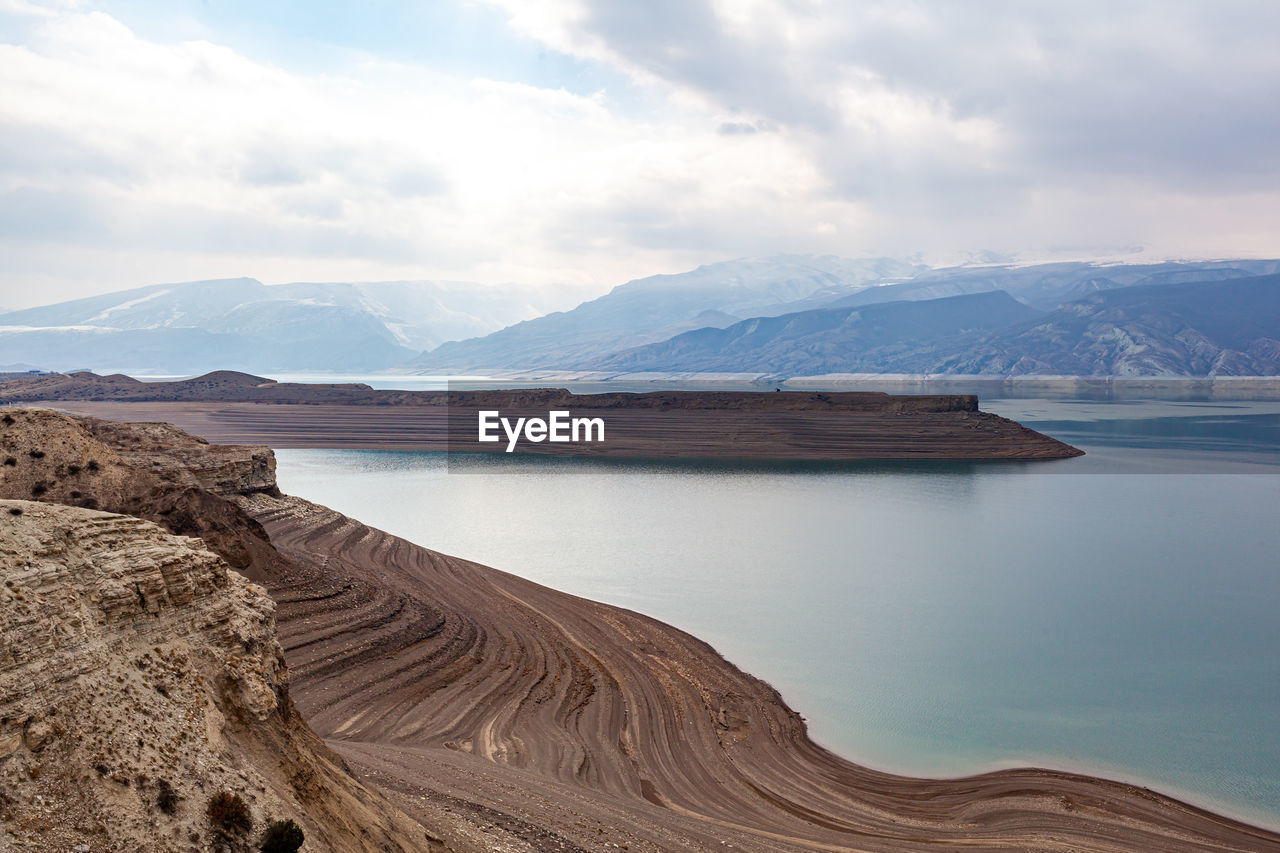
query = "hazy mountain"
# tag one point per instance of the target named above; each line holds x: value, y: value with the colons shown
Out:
x: 1225, y: 328
x: 827, y: 340
x: 244, y: 324
x: 655, y: 308
x: 1216, y: 328
x: 1046, y: 286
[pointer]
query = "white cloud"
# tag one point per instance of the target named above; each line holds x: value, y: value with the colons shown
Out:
x: 129, y: 148
x: 764, y: 125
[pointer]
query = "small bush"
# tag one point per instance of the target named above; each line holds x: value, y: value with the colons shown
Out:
x: 93, y: 465
x: 39, y: 489
x: 15, y: 510
x: 73, y: 470
x: 281, y: 836
x: 36, y: 454
x: 229, y: 813
x: 88, y: 503
x: 8, y: 419
x: 166, y: 797
x: 10, y: 461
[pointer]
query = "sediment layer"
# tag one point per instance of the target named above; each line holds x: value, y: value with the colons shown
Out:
x: 799, y: 425
x: 139, y: 676
x: 900, y: 428
x: 432, y: 673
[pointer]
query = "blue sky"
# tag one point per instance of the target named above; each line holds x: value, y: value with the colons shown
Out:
x: 465, y: 38
x: 587, y: 142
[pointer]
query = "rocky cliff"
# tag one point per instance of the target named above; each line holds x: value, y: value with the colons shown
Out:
x: 139, y: 674
x: 152, y: 471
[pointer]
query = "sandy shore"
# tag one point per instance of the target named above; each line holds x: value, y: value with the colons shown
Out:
x: 565, y: 724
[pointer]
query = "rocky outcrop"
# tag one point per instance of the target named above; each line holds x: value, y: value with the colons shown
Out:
x: 153, y: 471
x: 139, y: 676
x: 178, y: 456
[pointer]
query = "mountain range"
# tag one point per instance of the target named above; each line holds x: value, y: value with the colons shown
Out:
x: 242, y: 323
x: 1214, y: 328
x: 826, y: 340
x: 781, y: 315
x: 653, y: 309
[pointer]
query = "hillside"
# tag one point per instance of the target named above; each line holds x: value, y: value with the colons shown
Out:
x: 1229, y: 327
x: 829, y: 340
x: 1226, y: 328
x: 653, y: 309
x: 139, y: 674
x: 1046, y: 286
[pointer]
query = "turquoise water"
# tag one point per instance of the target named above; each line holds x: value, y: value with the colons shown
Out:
x: 1115, y: 613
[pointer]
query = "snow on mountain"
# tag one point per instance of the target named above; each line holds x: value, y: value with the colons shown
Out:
x: 242, y: 323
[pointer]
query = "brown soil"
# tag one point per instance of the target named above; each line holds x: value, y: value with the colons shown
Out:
x: 863, y: 427
x: 442, y: 678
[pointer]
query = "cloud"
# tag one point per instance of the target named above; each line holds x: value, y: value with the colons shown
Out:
x: 924, y: 106
x: 119, y: 142
x: 752, y: 127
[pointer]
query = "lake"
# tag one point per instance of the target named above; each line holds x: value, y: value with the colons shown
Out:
x: 1114, y: 614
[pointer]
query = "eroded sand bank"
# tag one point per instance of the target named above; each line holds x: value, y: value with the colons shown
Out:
x: 458, y: 686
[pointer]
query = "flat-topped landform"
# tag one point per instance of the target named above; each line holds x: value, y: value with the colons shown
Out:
x: 496, y: 713
x: 728, y: 425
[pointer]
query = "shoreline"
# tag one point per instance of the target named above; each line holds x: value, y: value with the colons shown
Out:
x: 1040, y: 763
x: 290, y: 523
x: 825, y: 728
x: 481, y: 701
x: 635, y: 432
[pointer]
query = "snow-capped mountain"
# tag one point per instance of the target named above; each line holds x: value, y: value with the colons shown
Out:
x: 241, y: 323
x: 653, y: 309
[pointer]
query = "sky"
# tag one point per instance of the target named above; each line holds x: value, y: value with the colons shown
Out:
x: 588, y: 142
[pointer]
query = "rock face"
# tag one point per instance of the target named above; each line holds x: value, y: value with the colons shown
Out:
x: 223, y: 469
x: 153, y: 471
x: 139, y: 676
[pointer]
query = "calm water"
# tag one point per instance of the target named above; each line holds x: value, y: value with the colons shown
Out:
x: 1115, y: 613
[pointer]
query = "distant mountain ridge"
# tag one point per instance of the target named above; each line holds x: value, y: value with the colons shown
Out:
x: 603, y: 333
x: 1217, y: 328
x: 671, y: 323
x: 1046, y: 286
x: 653, y: 309
x: 827, y: 340
x: 242, y: 323
x: 1229, y: 327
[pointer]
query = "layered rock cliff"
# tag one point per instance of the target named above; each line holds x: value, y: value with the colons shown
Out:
x: 139, y: 677
x: 139, y: 673
x: 152, y: 471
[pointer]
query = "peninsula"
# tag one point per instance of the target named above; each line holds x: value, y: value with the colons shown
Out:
x: 789, y: 425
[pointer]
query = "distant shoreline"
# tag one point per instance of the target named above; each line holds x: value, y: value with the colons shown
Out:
x: 1089, y: 387
x: 699, y: 434
x: 14, y: 386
